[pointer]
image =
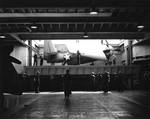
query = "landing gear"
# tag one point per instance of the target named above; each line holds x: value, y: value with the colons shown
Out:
x: 65, y: 62
x: 66, y: 58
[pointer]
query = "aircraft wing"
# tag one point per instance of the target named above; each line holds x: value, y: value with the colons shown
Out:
x: 101, y: 58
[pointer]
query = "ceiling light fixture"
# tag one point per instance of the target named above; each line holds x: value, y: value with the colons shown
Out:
x: 34, y: 27
x: 2, y: 36
x: 140, y: 26
x: 85, y: 35
x: 93, y: 11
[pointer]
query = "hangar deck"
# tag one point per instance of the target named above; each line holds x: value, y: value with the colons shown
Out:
x: 82, y: 105
x: 24, y: 25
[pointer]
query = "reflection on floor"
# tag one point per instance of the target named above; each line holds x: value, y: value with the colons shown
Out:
x: 83, y: 105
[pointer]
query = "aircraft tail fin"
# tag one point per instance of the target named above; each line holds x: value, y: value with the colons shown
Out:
x: 49, y: 47
x: 49, y: 50
x: 61, y: 48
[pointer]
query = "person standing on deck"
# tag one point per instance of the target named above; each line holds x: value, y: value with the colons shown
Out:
x: 67, y: 84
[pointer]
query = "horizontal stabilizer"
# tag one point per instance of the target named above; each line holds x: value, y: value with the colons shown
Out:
x: 101, y: 58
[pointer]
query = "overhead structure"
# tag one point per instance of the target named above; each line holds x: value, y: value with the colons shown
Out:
x: 71, y: 19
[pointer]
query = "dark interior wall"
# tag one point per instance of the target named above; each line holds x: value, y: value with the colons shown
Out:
x: 9, y: 78
x: 1, y: 77
x: 0, y: 69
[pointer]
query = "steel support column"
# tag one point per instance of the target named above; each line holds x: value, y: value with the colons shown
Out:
x: 30, y: 53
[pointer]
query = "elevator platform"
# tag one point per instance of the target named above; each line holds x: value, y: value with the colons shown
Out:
x: 57, y: 70
x: 82, y: 105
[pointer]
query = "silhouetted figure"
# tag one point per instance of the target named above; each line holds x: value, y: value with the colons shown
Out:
x: 67, y: 84
x: 93, y: 80
x: 41, y: 60
x: 35, y: 60
x: 106, y: 80
x: 10, y: 75
x: 99, y: 78
x: 114, y: 81
x: 37, y: 82
x: 120, y: 81
x: 78, y: 57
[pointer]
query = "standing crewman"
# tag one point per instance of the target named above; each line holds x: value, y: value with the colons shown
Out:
x: 93, y: 80
x: 41, y: 60
x: 37, y: 82
x: 120, y: 81
x: 67, y: 84
x: 106, y: 81
x: 99, y: 78
x: 35, y: 59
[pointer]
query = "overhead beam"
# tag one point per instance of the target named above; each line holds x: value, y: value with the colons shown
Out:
x: 17, y: 39
x: 71, y: 18
x: 30, y: 23
x: 62, y: 27
x: 79, y: 35
x: 73, y: 3
x: 20, y: 41
x: 31, y: 15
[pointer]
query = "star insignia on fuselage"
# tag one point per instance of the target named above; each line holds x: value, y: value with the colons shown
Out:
x: 67, y: 56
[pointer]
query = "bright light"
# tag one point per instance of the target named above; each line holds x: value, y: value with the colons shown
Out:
x: 2, y: 36
x: 88, y: 47
x: 34, y: 27
x: 85, y: 36
x: 93, y: 13
x: 140, y: 27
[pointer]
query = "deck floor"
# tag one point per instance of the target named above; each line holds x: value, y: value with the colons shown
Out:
x: 83, y: 105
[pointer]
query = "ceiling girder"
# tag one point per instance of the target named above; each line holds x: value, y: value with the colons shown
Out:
x: 71, y: 22
x: 72, y: 27
x: 79, y: 35
x: 74, y: 3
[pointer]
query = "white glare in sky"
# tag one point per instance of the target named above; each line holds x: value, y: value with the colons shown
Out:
x: 84, y: 46
x: 94, y: 47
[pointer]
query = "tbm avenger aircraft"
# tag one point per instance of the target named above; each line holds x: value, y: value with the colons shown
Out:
x: 59, y: 53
